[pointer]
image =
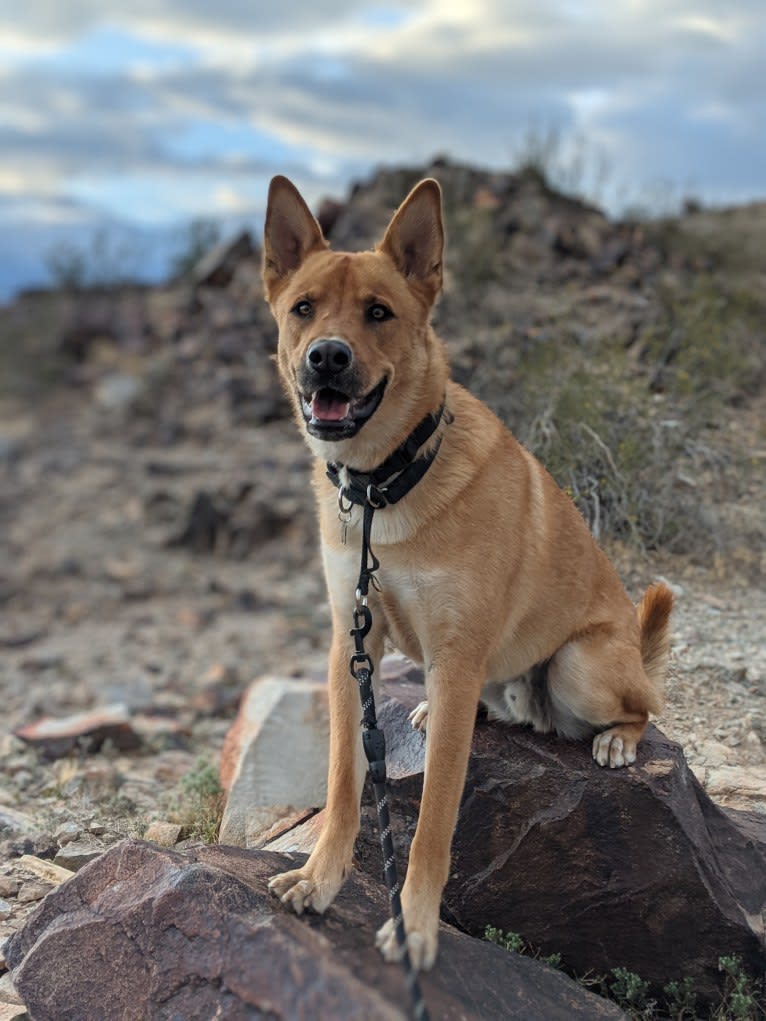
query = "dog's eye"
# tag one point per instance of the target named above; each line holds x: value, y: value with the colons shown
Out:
x: 303, y: 309
x: 378, y: 313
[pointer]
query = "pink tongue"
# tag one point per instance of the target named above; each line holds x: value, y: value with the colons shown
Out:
x: 329, y: 409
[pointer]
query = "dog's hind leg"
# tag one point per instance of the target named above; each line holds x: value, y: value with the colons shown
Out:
x: 599, y: 682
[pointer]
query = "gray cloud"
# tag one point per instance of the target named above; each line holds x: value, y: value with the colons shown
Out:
x: 324, y: 90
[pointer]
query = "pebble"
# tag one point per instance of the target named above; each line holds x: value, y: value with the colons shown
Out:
x: 67, y: 833
x: 9, y: 886
x: 167, y: 834
x: 76, y: 854
x: 32, y: 891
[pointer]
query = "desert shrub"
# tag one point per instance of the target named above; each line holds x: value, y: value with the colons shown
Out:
x: 741, y: 996
x: 707, y: 346
x: 200, y: 806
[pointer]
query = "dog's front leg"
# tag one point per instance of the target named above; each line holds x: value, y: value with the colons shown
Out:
x: 316, y: 884
x: 453, y: 694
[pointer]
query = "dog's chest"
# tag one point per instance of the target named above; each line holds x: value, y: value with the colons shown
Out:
x: 418, y: 604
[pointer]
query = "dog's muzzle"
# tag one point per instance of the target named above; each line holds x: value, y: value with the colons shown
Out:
x: 333, y: 414
x: 329, y: 390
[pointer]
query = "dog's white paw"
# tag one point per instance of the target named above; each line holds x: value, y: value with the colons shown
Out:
x: 613, y: 750
x: 301, y: 891
x: 419, y: 716
x: 422, y: 944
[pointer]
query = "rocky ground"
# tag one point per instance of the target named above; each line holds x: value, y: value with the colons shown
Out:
x: 157, y: 544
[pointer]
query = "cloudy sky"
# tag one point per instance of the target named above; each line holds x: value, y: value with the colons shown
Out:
x: 138, y: 117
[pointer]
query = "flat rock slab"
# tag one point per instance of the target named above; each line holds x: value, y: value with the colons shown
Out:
x: 159, y: 935
x: 274, y: 757
x: 55, y: 738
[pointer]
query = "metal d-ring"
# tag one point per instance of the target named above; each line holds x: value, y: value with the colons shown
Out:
x: 344, y: 508
x: 376, y: 497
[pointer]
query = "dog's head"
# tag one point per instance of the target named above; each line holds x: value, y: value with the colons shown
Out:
x: 355, y: 344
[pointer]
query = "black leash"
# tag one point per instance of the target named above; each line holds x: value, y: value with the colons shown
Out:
x: 372, y: 491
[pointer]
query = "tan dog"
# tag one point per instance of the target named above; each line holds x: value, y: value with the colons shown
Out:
x: 489, y: 575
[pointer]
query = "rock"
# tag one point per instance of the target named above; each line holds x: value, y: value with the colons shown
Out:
x: 45, y: 870
x: 5, y: 910
x: 300, y: 838
x: 9, y: 886
x: 116, y: 391
x: 67, y: 833
x: 55, y: 738
x: 263, y: 784
x: 633, y: 868
x: 733, y: 785
x: 13, y: 1012
x: 32, y: 891
x: 161, y: 934
x: 216, y: 268
x: 328, y: 213
x: 166, y: 834
x: 266, y: 793
x: 73, y: 856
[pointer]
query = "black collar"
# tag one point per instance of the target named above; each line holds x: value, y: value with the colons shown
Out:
x: 393, y: 479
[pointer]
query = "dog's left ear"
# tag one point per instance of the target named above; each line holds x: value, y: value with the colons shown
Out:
x: 415, y: 238
x: 289, y: 235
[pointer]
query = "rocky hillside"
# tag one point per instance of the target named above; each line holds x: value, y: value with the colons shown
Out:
x: 157, y: 544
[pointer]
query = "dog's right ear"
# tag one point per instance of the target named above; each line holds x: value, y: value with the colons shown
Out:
x: 290, y: 234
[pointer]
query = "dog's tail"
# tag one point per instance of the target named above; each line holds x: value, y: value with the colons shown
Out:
x: 654, y: 622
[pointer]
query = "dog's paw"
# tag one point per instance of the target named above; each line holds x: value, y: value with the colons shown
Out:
x: 419, y: 716
x: 610, y: 748
x: 422, y: 944
x: 302, y: 891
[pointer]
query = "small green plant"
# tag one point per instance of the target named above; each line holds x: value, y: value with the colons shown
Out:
x: 507, y: 940
x: 513, y: 941
x: 631, y: 992
x: 201, y: 805
x: 681, y: 999
x: 742, y: 998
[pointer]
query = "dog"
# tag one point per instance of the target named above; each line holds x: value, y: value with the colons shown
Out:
x: 489, y: 576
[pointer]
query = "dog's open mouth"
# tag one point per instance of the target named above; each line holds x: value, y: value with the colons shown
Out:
x: 333, y: 415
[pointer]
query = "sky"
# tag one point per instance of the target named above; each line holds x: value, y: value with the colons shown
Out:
x: 124, y: 122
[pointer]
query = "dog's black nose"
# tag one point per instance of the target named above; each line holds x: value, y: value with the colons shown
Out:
x: 329, y: 357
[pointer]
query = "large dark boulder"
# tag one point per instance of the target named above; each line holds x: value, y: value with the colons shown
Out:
x: 634, y: 868
x: 148, y: 934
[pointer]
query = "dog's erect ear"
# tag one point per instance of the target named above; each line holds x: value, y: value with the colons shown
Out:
x: 290, y: 233
x: 415, y: 237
